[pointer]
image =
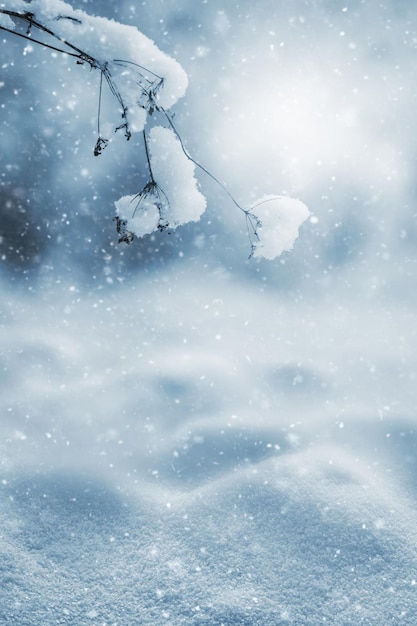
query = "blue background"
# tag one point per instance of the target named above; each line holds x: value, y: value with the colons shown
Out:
x: 189, y: 436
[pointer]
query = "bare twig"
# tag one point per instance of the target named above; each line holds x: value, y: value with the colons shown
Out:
x: 253, y: 223
x: 150, y: 84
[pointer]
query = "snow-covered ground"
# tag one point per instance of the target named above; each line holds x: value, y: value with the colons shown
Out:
x: 191, y: 450
x: 187, y: 436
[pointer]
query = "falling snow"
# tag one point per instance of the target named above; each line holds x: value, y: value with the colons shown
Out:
x: 189, y: 436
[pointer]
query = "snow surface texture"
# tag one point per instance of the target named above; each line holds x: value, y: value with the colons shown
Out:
x: 188, y: 459
x: 170, y: 201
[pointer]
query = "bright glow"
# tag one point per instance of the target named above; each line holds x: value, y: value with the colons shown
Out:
x: 303, y: 123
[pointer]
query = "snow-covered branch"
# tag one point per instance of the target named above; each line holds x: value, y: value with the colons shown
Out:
x: 143, y: 80
x: 135, y: 69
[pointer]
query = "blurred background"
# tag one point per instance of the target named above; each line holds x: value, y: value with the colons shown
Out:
x: 180, y: 374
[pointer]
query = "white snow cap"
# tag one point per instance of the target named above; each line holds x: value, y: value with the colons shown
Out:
x: 132, y: 60
x: 172, y: 197
x: 280, y: 218
x: 175, y: 172
x: 142, y: 79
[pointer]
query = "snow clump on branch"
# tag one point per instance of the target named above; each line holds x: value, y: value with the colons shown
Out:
x: 170, y: 198
x: 279, y: 219
x: 144, y: 80
x: 135, y: 68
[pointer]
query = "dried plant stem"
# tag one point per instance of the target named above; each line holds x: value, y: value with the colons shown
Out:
x: 147, y: 100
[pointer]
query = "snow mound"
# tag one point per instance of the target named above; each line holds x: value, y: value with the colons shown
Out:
x: 279, y: 221
x: 172, y: 453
